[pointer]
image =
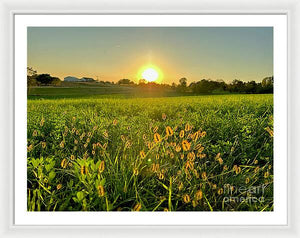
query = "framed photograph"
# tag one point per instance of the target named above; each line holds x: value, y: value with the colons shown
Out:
x: 184, y: 133
x: 161, y: 119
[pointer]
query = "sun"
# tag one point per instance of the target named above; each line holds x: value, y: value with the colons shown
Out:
x: 150, y: 74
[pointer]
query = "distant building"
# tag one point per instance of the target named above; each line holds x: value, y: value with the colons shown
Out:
x: 74, y: 79
x: 85, y: 79
x: 71, y: 79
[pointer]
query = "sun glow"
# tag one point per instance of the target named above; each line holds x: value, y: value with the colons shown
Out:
x: 150, y: 73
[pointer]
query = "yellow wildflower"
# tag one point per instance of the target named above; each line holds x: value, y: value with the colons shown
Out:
x: 101, y: 166
x: 186, y: 145
x: 142, y: 154
x: 59, y: 186
x: 178, y: 148
x: 153, y: 167
x: 137, y: 207
x: 186, y: 198
x: 196, y: 135
x: 266, y: 174
x: 181, y: 134
x: 187, y: 127
x: 105, y: 134
x: 203, y: 134
x: 156, y: 167
x: 84, y: 170
x: 180, y: 186
x: 157, y: 137
x: 198, y: 146
x: 42, y: 121
x: 62, y: 144
x: 101, y: 191
x: 169, y: 131
x: 64, y: 163
x: 104, y: 146
x: 199, y: 195
x: 191, y: 156
x: 270, y: 131
x: 135, y: 171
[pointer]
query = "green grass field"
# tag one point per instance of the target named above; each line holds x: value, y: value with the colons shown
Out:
x: 96, y: 90
x: 195, y: 153
x: 84, y: 91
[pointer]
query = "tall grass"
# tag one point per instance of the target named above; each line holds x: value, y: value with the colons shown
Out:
x: 209, y: 153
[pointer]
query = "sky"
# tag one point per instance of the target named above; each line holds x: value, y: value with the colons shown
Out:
x: 113, y: 53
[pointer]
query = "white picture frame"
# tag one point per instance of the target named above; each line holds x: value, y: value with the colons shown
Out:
x: 276, y: 217
x: 10, y: 10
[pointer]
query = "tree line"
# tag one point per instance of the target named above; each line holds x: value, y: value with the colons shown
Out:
x: 204, y: 86
x: 207, y: 86
x: 34, y: 79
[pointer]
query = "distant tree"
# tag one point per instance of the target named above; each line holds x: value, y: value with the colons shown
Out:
x: 31, y: 78
x: 31, y: 71
x: 221, y: 84
x: 182, y: 87
x: 125, y: 81
x: 237, y: 86
x: 47, y: 79
x: 55, y: 81
x: 44, y: 79
x: 267, y: 82
x: 142, y: 81
x: 31, y: 82
x: 183, y: 82
x: 250, y: 87
x: 207, y: 86
x: 267, y: 85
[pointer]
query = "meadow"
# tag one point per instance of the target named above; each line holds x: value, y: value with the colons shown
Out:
x: 188, y: 153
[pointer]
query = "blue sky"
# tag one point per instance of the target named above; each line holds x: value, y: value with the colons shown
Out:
x: 112, y: 53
